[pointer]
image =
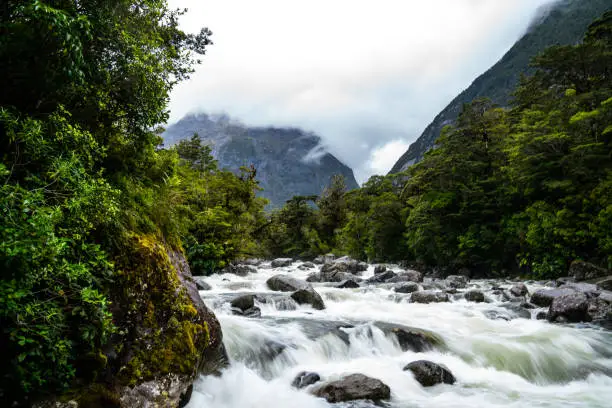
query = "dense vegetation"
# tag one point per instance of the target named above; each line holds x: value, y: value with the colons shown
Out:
x: 85, y: 187
x: 521, y: 190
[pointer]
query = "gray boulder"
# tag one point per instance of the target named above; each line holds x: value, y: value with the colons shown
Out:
x: 406, y: 287
x: 245, y: 306
x: 286, y: 283
x: 429, y: 374
x: 202, y: 285
x: 520, y: 289
x: 304, y: 379
x: 474, y: 296
x: 407, y: 276
x: 348, y: 284
x: 239, y: 269
x: 379, y: 269
x: 605, y: 283
x: 457, y: 281
x: 410, y: 338
x: 429, y: 296
x: 354, y: 387
x: 545, y: 297
x: 589, y: 289
x: 323, y: 259
x: 281, y: 262
x: 582, y: 271
x: 382, y: 277
x: 572, y: 307
x: 308, y: 296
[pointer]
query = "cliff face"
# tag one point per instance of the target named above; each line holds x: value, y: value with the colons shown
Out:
x: 564, y: 23
x: 289, y: 161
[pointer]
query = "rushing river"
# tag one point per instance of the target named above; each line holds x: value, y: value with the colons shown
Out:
x: 502, y: 362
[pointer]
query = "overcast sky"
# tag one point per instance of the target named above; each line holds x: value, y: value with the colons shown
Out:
x: 367, y: 76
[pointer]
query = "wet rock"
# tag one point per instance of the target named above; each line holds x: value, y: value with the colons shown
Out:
x: 474, y: 296
x: 428, y: 296
x: 314, y: 277
x: 281, y: 262
x: 528, y: 306
x: 428, y: 373
x: 407, y: 276
x: 253, y: 261
x: 497, y: 315
x: 243, y: 302
x: 239, y: 269
x: 581, y: 271
x: 202, y: 285
x: 323, y: 259
x: 572, y: 307
x: 457, y: 281
x: 545, y: 297
x: 348, y: 284
x: 605, y: 283
x: 379, y: 269
x: 589, y: 289
x: 410, y: 338
x: 354, y: 387
x: 600, y: 309
x: 517, y: 311
x: 304, y: 379
x: 308, y: 296
x: 520, y: 289
x: 286, y: 283
x: 308, y: 265
x: 406, y: 287
x: 382, y: 277
x: 542, y: 315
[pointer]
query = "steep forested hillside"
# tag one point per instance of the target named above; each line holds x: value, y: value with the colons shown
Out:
x: 288, y: 161
x: 565, y: 23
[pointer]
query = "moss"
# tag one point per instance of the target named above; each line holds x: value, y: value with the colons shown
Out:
x: 165, y: 332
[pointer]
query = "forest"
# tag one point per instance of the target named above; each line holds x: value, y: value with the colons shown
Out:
x: 86, y: 183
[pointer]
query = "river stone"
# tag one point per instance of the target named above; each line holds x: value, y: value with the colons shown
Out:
x: 354, y: 387
x: 406, y: 287
x: 581, y: 271
x: 382, y: 277
x: 239, y: 269
x: 281, y: 262
x: 428, y: 296
x: 314, y: 277
x: 600, y: 309
x: 308, y: 296
x: 545, y: 297
x: 415, y: 339
x: 474, y: 296
x: 348, y: 284
x: 286, y: 283
x: 308, y: 265
x: 589, y: 289
x: 253, y: 261
x: 520, y: 289
x: 323, y: 259
x: 542, y: 315
x: 333, y: 272
x: 379, y: 269
x: 605, y: 283
x: 304, y: 379
x: 407, y: 276
x: 202, y: 285
x: 457, y: 281
x: 243, y: 302
x: 429, y: 374
x: 572, y: 307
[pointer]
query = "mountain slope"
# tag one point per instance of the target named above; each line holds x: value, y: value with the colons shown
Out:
x: 563, y: 23
x: 289, y: 161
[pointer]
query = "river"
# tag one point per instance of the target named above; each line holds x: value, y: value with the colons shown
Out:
x: 498, y: 362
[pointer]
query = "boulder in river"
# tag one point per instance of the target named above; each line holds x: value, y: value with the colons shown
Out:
x: 382, y: 277
x: 474, y: 296
x: 572, y: 307
x: 304, y: 379
x: 589, y: 289
x: 545, y: 297
x: 457, y: 281
x: 201, y: 284
x: 308, y: 296
x: 582, y: 271
x: 323, y: 259
x: 407, y: 276
x: 429, y: 296
x: 307, y: 265
x: 281, y: 262
x: 379, y: 269
x: 245, y: 306
x: 286, y: 283
x: 605, y: 283
x: 406, y: 287
x: 520, y: 289
x: 428, y: 373
x: 410, y: 338
x: 348, y: 284
x: 239, y: 269
x: 354, y: 387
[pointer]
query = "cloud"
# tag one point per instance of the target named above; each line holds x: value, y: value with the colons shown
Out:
x: 367, y: 76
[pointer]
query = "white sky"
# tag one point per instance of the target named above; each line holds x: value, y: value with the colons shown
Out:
x: 367, y: 76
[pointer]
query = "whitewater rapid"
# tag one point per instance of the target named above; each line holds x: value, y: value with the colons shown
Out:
x: 497, y: 363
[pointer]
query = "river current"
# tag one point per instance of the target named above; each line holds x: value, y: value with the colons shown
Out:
x: 499, y: 357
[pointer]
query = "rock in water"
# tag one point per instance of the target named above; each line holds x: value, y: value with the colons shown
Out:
x: 545, y: 297
x: 474, y: 296
x: 520, y: 289
x: 572, y: 308
x: 581, y: 271
x: 348, y: 284
x: 429, y: 296
x: 202, y: 285
x: 429, y: 374
x: 354, y: 387
x: 407, y: 276
x: 304, y: 379
x: 382, y: 277
x: 245, y: 306
x: 308, y: 296
x: 457, y: 281
x: 407, y: 287
x: 286, y: 283
x: 281, y: 262
x: 379, y: 269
